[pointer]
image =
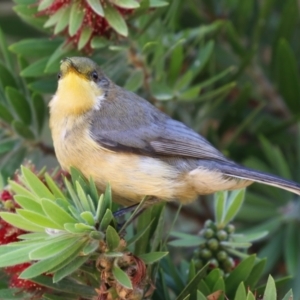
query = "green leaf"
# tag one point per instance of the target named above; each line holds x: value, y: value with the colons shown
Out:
x: 250, y: 296
x: 270, y: 291
x: 121, y: 277
x: 115, y: 20
x: 287, y: 75
x: 100, y: 209
x: 235, y: 244
x: 66, y: 286
x: 190, y: 93
x: 35, y: 69
x: 134, y: 81
x: 157, y: 3
x: 44, y: 4
x: 99, y: 42
x: 28, y: 203
x: 70, y: 227
x: 256, y: 274
x: 82, y: 196
x: 200, y: 296
x: 23, y: 130
x: 20, y: 190
x: 251, y: 237
x: 44, y: 266
x: 76, y: 18
x: 192, y: 285
x: 35, y: 184
x: 42, y: 47
x: 112, y: 238
x: 161, y: 91
x: 290, y: 247
x: 6, y: 78
x: 6, y: 54
x: 5, y: 114
x: 239, y: 274
x: 20, y: 104
x: 106, y: 220
x: 191, y: 241
x: 43, y: 86
x: 140, y: 233
x: 6, y: 145
x: 38, y: 219
x: 39, y: 109
x: 85, y: 227
x: 17, y: 256
x: 88, y: 217
x: 235, y: 203
x: 33, y: 236
x: 126, y: 3
x: 150, y: 258
x: 54, y: 19
x: 91, y: 247
x: 70, y: 268
x: 85, y: 36
x: 52, y: 247
x: 61, y: 51
x: 96, y: 7
x: 220, y: 201
x: 63, y: 21
x: 19, y: 222
x: 56, y: 213
x: 54, y: 188
x: 288, y: 296
x: 240, y: 292
x: 13, y: 294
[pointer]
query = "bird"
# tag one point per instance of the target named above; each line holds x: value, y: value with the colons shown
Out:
x: 116, y: 137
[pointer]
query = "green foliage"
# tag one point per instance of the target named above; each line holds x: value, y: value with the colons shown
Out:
x: 227, y: 69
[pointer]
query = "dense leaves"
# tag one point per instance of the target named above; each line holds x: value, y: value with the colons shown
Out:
x: 230, y: 70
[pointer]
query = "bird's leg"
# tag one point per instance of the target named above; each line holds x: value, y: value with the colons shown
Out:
x: 121, y: 212
x: 138, y: 208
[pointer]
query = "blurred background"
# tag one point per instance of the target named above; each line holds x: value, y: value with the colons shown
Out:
x: 228, y: 69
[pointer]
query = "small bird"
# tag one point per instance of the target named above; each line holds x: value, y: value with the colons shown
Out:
x: 117, y: 137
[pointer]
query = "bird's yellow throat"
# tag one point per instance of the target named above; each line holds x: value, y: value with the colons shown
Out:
x: 75, y: 94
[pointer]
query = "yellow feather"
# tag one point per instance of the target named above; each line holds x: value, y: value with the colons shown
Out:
x: 75, y: 94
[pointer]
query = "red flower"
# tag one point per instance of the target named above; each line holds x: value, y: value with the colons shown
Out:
x: 83, y: 20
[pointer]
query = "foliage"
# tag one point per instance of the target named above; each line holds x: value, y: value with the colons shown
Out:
x: 228, y: 69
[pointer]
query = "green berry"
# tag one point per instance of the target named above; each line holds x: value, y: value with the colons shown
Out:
x: 222, y: 235
x: 210, y: 224
x: 205, y: 253
x: 213, y: 263
x: 198, y: 264
x: 213, y: 244
x: 222, y: 255
x: 208, y: 233
x: 230, y: 228
x: 228, y: 264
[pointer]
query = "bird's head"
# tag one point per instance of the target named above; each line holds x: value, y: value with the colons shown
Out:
x: 82, y: 86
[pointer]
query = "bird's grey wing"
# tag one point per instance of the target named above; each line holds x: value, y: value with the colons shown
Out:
x: 143, y: 129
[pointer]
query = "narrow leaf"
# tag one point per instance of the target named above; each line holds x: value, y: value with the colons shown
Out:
x: 115, y: 20
x: 19, y: 222
x: 150, y: 258
x: 35, y: 184
x: 121, y: 277
x: 112, y: 238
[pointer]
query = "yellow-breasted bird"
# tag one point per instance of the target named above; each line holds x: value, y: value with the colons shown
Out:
x: 119, y: 138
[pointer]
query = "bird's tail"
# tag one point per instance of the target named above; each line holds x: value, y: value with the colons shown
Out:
x: 241, y: 172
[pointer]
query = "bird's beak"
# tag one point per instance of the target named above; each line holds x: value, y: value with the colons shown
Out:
x: 66, y: 65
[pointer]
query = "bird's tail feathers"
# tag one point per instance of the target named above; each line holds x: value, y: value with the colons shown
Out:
x: 241, y: 172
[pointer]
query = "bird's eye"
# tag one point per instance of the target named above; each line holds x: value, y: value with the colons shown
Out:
x: 95, y: 76
x: 59, y: 76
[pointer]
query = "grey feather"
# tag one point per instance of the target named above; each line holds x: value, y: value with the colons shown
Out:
x: 145, y: 130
